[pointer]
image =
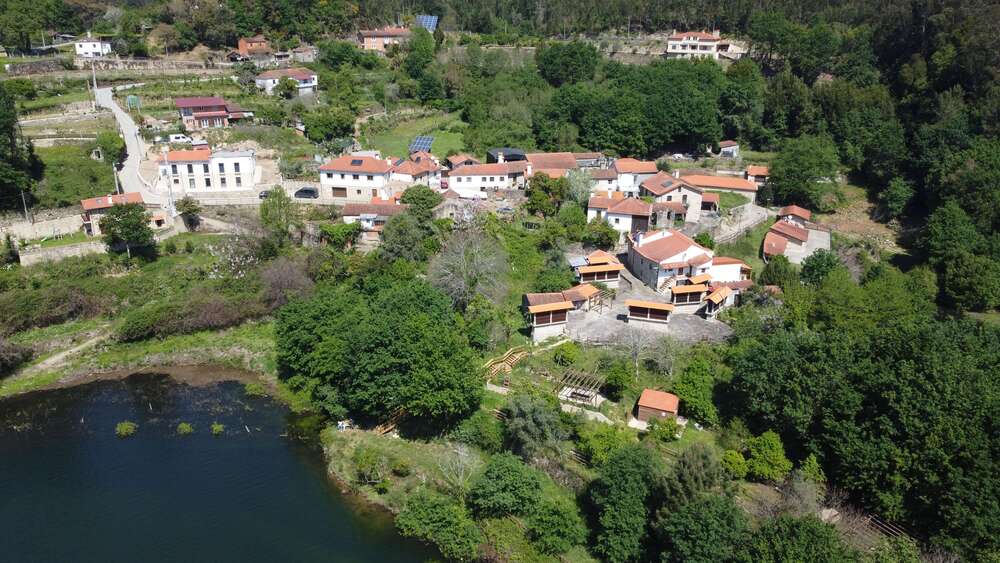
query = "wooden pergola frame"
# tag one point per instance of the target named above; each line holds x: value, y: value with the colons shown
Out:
x: 583, y: 387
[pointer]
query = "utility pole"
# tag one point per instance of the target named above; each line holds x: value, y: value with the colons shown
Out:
x: 24, y: 202
x: 170, y: 186
x: 114, y: 172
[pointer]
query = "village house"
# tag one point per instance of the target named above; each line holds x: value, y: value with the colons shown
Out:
x: 208, y: 112
x: 372, y: 217
x: 794, y: 236
x: 357, y: 178
x: 305, y: 54
x: 590, y: 160
x: 420, y: 168
x: 630, y: 215
x: 729, y: 149
x: 488, y: 177
x: 672, y: 263
x: 632, y: 173
x: 693, y: 45
x: 204, y: 169
x: 605, y: 179
x: 380, y: 40
x: 91, y: 48
x: 650, y: 313
x: 306, y: 80
x: 553, y: 164
x: 709, y: 183
x: 458, y: 160
x: 757, y: 174
x: 95, y: 208
x: 253, y: 47
x: 664, y: 188
x: 598, y: 267
x: 654, y: 405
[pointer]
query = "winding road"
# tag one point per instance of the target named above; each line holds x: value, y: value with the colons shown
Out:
x: 129, y: 175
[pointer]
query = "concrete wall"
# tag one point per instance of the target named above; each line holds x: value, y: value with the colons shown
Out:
x: 57, y: 226
x: 541, y: 333
x: 31, y: 256
x: 35, y: 67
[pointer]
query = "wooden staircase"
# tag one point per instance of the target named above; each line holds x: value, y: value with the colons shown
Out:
x: 505, y: 363
x: 389, y: 426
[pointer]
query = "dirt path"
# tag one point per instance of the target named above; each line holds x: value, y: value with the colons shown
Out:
x: 58, y: 360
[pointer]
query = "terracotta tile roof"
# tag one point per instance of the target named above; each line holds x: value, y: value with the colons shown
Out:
x: 108, y: 201
x: 631, y: 206
x: 587, y: 155
x: 663, y: 183
x: 675, y: 206
x: 548, y: 307
x: 550, y: 172
x: 740, y: 285
x: 699, y: 35
x: 719, y: 295
x: 659, y: 400
x: 551, y: 160
x: 663, y: 248
x: 197, y: 155
x: 789, y: 230
x: 693, y: 288
x: 602, y: 174
x: 720, y: 182
x: 199, y: 102
x: 361, y: 164
x: 580, y: 292
x: 495, y: 169
x: 601, y: 268
x: 416, y: 168
x: 649, y: 305
x: 725, y: 144
x: 774, y: 244
x: 458, y: 159
x: 796, y: 211
x: 709, y: 197
x: 384, y: 209
x: 600, y: 202
x: 700, y: 259
x: 700, y: 278
x: 296, y: 73
x: 633, y: 166
x: 543, y: 298
x: 755, y: 170
x: 601, y: 257
x: 724, y: 260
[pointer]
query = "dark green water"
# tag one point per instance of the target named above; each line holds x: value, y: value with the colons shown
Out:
x: 71, y: 491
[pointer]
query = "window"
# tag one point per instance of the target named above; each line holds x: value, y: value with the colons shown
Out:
x: 222, y: 182
x: 208, y: 182
x: 177, y: 181
x: 173, y: 169
x: 491, y: 179
x: 222, y: 168
x: 191, y: 183
x: 684, y: 198
x: 670, y: 198
x: 239, y: 181
x: 190, y: 169
x: 617, y: 220
x: 329, y: 175
x: 359, y: 192
x: 236, y: 167
x: 204, y: 168
x: 342, y: 176
x: 374, y: 193
x: 355, y: 177
x: 370, y: 177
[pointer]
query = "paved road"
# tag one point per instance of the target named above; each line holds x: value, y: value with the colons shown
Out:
x: 129, y: 175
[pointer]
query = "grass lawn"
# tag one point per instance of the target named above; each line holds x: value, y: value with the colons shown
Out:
x: 747, y: 247
x: 758, y: 157
x: 729, y: 200
x: 63, y: 240
x: 396, y: 141
x: 49, y: 102
x: 70, y: 128
x: 71, y: 175
x: 281, y: 139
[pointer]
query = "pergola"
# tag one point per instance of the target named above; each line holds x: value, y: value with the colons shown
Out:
x: 580, y: 387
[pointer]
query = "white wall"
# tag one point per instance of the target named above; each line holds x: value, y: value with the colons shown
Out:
x: 193, y: 176
x: 92, y: 48
x: 725, y: 272
x: 360, y: 189
x: 688, y: 197
x: 483, y: 183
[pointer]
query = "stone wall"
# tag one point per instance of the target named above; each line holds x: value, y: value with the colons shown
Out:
x: 115, y: 63
x: 36, y: 67
x: 25, y: 230
x: 30, y: 256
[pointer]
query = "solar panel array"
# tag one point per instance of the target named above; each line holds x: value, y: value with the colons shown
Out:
x: 429, y: 23
x: 422, y: 143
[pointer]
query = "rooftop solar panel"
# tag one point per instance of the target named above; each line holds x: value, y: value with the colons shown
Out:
x: 422, y: 143
x: 429, y: 23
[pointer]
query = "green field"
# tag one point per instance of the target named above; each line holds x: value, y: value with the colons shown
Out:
x: 70, y: 175
x: 747, y: 247
x: 729, y: 200
x: 445, y: 128
x: 49, y: 242
x: 43, y: 103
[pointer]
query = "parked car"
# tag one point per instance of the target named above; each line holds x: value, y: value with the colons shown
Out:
x: 307, y: 192
x: 178, y: 138
x: 263, y: 194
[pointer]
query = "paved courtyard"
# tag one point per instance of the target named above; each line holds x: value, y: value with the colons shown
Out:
x: 818, y: 239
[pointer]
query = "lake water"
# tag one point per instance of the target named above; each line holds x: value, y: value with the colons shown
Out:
x: 72, y: 491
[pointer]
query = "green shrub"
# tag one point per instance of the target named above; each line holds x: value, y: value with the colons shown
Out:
x: 146, y: 322
x: 767, y: 458
x: 255, y: 390
x: 812, y: 471
x: 185, y: 428
x: 170, y: 247
x: 125, y: 429
x: 188, y: 247
x: 506, y: 487
x: 734, y: 464
x: 598, y: 441
x: 436, y: 519
x: 556, y: 526
x: 218, y: 428
x: 401, y: 468
x: 481, y: 430
x: 662, y: 430
x: 566, y: 354
x: 617, y: 380
x: 370, y: 465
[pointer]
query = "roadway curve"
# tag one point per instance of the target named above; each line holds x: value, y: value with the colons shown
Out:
x: 129, y: 174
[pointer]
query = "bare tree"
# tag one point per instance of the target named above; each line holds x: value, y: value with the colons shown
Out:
x: 664, y: 354
x: 581, y: 184
x: 637, y: 343
x: 468, y: 266
x: 457, y: 469
x: 284, y: 279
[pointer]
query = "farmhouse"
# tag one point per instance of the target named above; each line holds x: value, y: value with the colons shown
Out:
x: 663, y: 187
x: 208, y: 112
x: 372, y: 217
x: 458, y: 160
x: 488, y: 177
x: 356, y: 178
x: 380, y: 40
x: 95, y: 208
x: 204, y: 170
x: 420, y: 168
x: 757, y: 174
x: 794, y: 236
x: 632, y: 173
x: 91, y: 48
x: 722, y: 184
x: 306, y: 80
x: 254, y: 47
x: 654, y: 405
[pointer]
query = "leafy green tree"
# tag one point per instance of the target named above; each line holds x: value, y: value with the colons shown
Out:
x: 599, y: 441
x: 705, y: 239
x: 434, y: 518
x: 706, y: 529
x: 812, y: 471
x: 533, y: 425
x: 127, y: 227
x: 971, y: 283
x: 573, y: 219
x: 896, y: 197
x: 972, y: 178
x: 694, y: 387
x: 948, y: 233
x: 481, y: 430
x: 506, y: 487
x: 600, y: 234
x: 780, y: 272
x: 621, y: 497
x: 403, y: 238
x: 422, y: 201
x: 328, y: 124
x: 340, y: 235
x: 805, y: 170
x: 581, y: 184
x: 189, y: 210
x: 555, y: 526
x: 17, y: 158
x: 697, y: 471
x: 419, y: 52
x: 279, y: 215
x: 336, y: 54
x: 734, y: 464
x: 566, y: 63
x: 788, y: 106
x: 286, y: 88
x: 545, y: 194
x: 818, y: 265
x: 767, y: 461
x: 796, y: 539
x: 112, y: 147
x: 894, y: 550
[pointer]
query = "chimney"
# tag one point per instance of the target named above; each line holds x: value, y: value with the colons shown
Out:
x: 500, y: 158
x: 677, y: 173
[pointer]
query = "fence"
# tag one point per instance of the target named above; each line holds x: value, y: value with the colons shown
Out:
x: 747, y: 217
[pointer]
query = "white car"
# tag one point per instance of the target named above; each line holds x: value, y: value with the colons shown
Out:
x: 178, y: 138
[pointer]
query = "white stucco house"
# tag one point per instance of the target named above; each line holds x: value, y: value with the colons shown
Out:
x: 488, y: 177
x: 631, y: 173
x: 693, y: 45
x: 356, y: 178
x: 664, y: 188
x: 305, y: 79
x: 91, y: 48
x: 420, y: 168
x: 204, y: 170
